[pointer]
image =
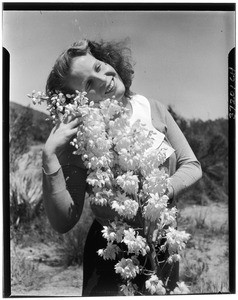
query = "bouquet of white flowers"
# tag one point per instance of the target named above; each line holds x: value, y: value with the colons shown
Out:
x: 125, y: 173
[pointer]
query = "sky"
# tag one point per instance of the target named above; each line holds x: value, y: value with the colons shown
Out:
x: 181, y: 58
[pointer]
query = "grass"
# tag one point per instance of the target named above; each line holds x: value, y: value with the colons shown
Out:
x: 204, y: 267
x: 24, y: 273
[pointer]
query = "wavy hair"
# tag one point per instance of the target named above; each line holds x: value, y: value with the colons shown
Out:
x: 116, y: 54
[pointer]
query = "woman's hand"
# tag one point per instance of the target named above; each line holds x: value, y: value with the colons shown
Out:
x: 61, y: 134
x: 59, y: 137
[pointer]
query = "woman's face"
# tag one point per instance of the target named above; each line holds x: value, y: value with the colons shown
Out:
x: 95, y: 77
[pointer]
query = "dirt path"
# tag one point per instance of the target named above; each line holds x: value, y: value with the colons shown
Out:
x: 47, y: 275
x: 55, y: 281
x: 58, y: 282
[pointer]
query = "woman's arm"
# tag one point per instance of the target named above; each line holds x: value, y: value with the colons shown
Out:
x: 64, y: 178
x: 63, y: 194
x: 188, y: 169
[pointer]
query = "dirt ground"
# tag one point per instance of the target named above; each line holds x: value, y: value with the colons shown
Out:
x: 53, y: 278
x: 206, y: 257
x: 58, y: 282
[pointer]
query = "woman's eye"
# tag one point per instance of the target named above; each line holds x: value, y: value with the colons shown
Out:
x: 98, y: 67
x: 88, y: 85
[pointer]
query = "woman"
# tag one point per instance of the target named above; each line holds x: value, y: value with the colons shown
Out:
x: 103, y: 70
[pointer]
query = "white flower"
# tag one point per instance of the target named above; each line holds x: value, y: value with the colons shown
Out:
x: 174, y: 258
x: 128, y: 182
x: 176, y: 240
x: 109, y: 252
x: 125, y: 206
x: 114, y: 232
x: 168, y: 217
x: 108, y: 234
x: 127, y: 160
x: 135, y: 243
x: 110, y: 108
x: 129, y: 289
x: 100, y: 196
x: 118, y: 127
x: 155, y: 206
x: 156, y: 182
x: 155, y: 286
x: 100, y: 178
x: 126, y: 268
x: 98, y: 200
x: 151, y: 160
x: 181, y: 289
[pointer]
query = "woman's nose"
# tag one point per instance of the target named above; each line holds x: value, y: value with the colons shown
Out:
x: 101, y: 80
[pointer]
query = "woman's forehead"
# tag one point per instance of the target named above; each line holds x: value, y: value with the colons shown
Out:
x: 80, y: 70
x: 82, y: 65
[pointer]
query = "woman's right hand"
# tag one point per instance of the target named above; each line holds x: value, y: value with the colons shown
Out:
x: 61, y: 134
x: 59, y: 137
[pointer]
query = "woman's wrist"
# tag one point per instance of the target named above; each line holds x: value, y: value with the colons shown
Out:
x: 50, y: 162
x: 170, y: 192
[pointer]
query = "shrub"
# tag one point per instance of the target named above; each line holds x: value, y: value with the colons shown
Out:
x: 26, y: 188
x: 20, y: 135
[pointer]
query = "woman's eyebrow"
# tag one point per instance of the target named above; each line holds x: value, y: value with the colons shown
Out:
x: 84, y: 82
x: 95, y: 64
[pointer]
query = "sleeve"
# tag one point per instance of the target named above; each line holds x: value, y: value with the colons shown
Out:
x: 64, y: 193
x: 188, y: 168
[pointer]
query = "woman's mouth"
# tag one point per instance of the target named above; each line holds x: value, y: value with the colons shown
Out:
x: 110, y: 87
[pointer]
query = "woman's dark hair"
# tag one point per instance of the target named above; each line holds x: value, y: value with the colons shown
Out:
x: 115, y: 54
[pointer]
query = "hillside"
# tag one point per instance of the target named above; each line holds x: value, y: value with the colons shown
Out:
x: 37, y: 115
x: 209, y: 141
x: 38, y: 128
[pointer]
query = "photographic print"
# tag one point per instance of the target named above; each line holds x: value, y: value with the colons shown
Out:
x: 121, y: 136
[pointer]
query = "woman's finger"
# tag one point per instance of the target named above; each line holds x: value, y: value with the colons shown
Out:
x: 66, y: 119
x: 74, y: 122
x: 74, y: 131
x: 55, y: 127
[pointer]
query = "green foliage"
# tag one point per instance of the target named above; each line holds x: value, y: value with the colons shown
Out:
x: 209, y: 141
x: 26, y: 188
x: 20, y: 134
x: 36, y: 131
x: 193, y: 269
x: 27, y: 127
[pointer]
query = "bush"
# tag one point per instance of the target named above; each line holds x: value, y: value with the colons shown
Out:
x: 26, y: 188
x: 20, y: 135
